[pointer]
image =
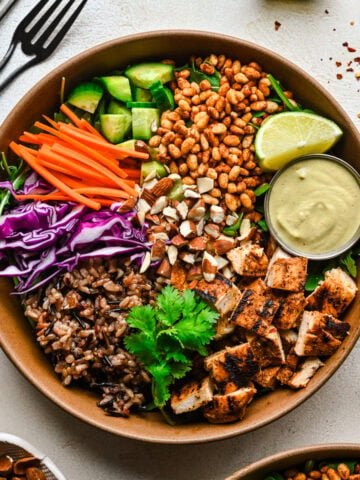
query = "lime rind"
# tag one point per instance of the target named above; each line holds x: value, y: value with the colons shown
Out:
x: 288, y: 135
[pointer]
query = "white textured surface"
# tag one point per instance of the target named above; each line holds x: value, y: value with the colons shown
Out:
x: 332, y: 415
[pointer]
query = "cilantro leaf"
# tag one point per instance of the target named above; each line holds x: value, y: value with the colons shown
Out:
x: 143, y: 347
x: 262, y: 189
x: 348, y: 261
x: 171, y: 303
x: 197, y: 76
x: 196, y: 331
x: 143, y: 318
x: 162, y: 379
x: 312, y: 281
x: 167, y: 335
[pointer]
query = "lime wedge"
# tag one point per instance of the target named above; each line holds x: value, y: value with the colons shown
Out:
x: 288, y: 135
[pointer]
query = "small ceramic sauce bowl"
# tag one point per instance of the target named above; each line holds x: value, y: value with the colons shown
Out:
x: 277, y: 234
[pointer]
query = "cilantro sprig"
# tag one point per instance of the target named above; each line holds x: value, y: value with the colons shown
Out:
x: 167, y: 335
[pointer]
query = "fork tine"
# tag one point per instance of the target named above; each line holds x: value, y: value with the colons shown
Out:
x: 42, y: 20
x: 60, y: 35
x: 31, y: 15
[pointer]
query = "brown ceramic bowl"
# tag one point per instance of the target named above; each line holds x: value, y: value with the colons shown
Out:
x: 15, y: 334
x: 296, y: 457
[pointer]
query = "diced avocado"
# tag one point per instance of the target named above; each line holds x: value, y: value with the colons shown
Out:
x: 177, y: 192
x: 118, y: 87
x: 141, y: 95
x: 145, y: 122
x: 86, y: 96
x: 115, y: 127
x: 149, y: 167
x: 116, y: 108
x: 145, y: 74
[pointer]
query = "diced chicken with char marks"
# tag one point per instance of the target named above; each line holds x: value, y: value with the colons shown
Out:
x: 320, y: 334
x: 334, y: 294
x: 234, y: 365
x: 249, y: 260
x: 286, y: 273
x: 267, y: 377
x: 307, y: 370
x: 291, y: 306
x: 268, y: 350
x: 255, y: 312
x: 230, y: 407
x: 221, y: 292
x: 192, y: 396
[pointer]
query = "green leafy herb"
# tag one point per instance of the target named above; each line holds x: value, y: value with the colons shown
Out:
x: 258, y: 114
x: 309, y: 466
x: 349, y: 263
x: 253, y: 125
x: 232, y: 230
x: 274, y: 99
x: 280, y: 92
x: 197, y: 76
x: 167, y: 335
x: 263, y: 225
x: 16, y: 175
x: 262, y: 189
x: 274, y: 476
x: 312, y: 281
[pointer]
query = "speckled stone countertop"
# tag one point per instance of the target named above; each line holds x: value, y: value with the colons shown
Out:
x: 312, y: 34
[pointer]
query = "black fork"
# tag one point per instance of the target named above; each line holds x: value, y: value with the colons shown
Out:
x: 41, y: 48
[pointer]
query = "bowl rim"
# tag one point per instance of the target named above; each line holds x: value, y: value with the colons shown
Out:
x: 292, y: 250
x: 293, y: 452
x: 191, y: 438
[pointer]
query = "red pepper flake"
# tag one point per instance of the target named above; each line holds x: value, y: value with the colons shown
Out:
x: 349, y: 69
x: 339, y: 76
x: 334, y: 29
x: 338, y: 64
x: 345, y: 44
x: 330, y: 58
x: 352, y: 23
x: 326, y: 11
x: 277, y: 25
x: 356, y: 59
x: 351, y: 49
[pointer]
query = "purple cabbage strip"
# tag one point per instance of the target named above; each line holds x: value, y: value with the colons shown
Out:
x: 39, y: 240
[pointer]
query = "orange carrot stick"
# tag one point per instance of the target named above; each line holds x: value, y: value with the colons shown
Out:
x: 105, y: 192
x: 70, y: 114
x: 60, y: 196
x: 43, y: 172
x: 86, y: 126
x: 84, y: 148
x: 97, y: 142
x: 80, y: 157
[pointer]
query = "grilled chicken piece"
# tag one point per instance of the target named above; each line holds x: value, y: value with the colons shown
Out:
x: 258, y: 286
x: 287, y: 371
x: 235, y: 365
x: 255, y: 312
x: 221, y: 292
x: 307, y: 370
x: 291, y: 305
x: 192, y: 396
x: 334, y: 294
x: 288, y: 339
x: 320, y: 334
x: 230, y: 407
x: 268, y: 349
x: 224, y: 327
x: 267, y: 377
x: 286, y: 273
x: 249, y: 260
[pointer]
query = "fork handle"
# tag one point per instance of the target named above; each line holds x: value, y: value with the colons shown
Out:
x: 17, y: 72
x: 7, y: 55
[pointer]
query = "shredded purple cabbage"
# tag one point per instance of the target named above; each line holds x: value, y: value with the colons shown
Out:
x: 39, y: 240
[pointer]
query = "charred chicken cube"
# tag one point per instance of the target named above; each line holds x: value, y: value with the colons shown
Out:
x: 286, y: 273
x: 258, y: 286
x: 235, y: 365
x: 287, y: 371
x: 192, y: 396
x: 224, y: 327
x: 291, y: 306
x: 267, y: 377
x: 320, y: 334
x: 221, y: 292
x: 249, y: 260
x: 255, y: 312
x: 301, y: 378
x: 288, y: 339
x: 268, y: 350
x: 334, y: 294
x: 230, y: 407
